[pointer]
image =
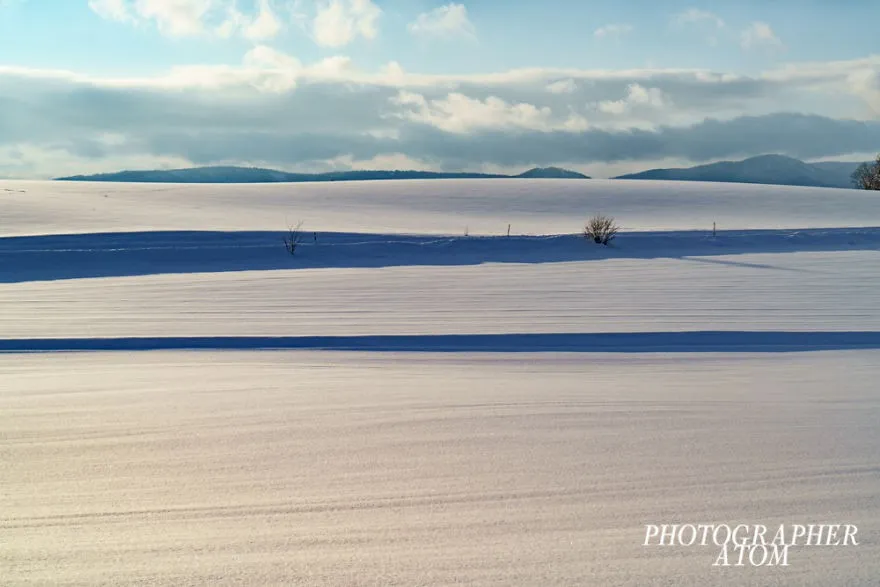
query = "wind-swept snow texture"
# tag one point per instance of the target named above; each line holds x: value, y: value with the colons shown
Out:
x: 184, y: 403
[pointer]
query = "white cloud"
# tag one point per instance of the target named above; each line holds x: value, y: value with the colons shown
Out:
x: 263, y: 68
x: 445, y: 21
x: 563, y: 86
x: 866, y: 85
x: 701, y: 17
x: 262, y: 26
x: 384, y: 162
x: 612, y: 31
x: 265, y: 57
x: 708, y: 23
x: 637, y: 96
x: 339, y: 22
x: 393, y: 74
x: 111, y: 9
x: 759, y: 34
x: 35, y: 161
x: 458, y: 113
x: 337, y: 67
x: 698, y: 92
x: 266, y: 25
x: 176, y: 18
x: 191, y: 18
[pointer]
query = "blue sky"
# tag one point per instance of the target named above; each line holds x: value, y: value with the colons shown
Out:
x: 68, y: 34
x: 601, y: 86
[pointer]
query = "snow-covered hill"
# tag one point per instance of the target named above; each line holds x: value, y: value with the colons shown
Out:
x: 482, y: 207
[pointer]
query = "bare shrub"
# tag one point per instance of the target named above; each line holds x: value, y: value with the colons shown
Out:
x: 293, y: 238
x: 601, y: 229
x: 867, y: 176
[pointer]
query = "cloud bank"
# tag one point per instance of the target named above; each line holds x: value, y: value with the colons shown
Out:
x: 274, y: 110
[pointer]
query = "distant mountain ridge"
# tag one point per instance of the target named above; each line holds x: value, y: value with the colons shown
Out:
x: 764, y: 169
x: 258, y: 175
x: 551, y: 173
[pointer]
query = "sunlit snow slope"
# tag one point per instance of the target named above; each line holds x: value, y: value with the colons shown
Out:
x: 428, y: 206
x: 401, y: 404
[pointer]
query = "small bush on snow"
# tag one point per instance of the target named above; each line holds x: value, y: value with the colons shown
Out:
x: 293, y: 238
x: 601, y: 229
